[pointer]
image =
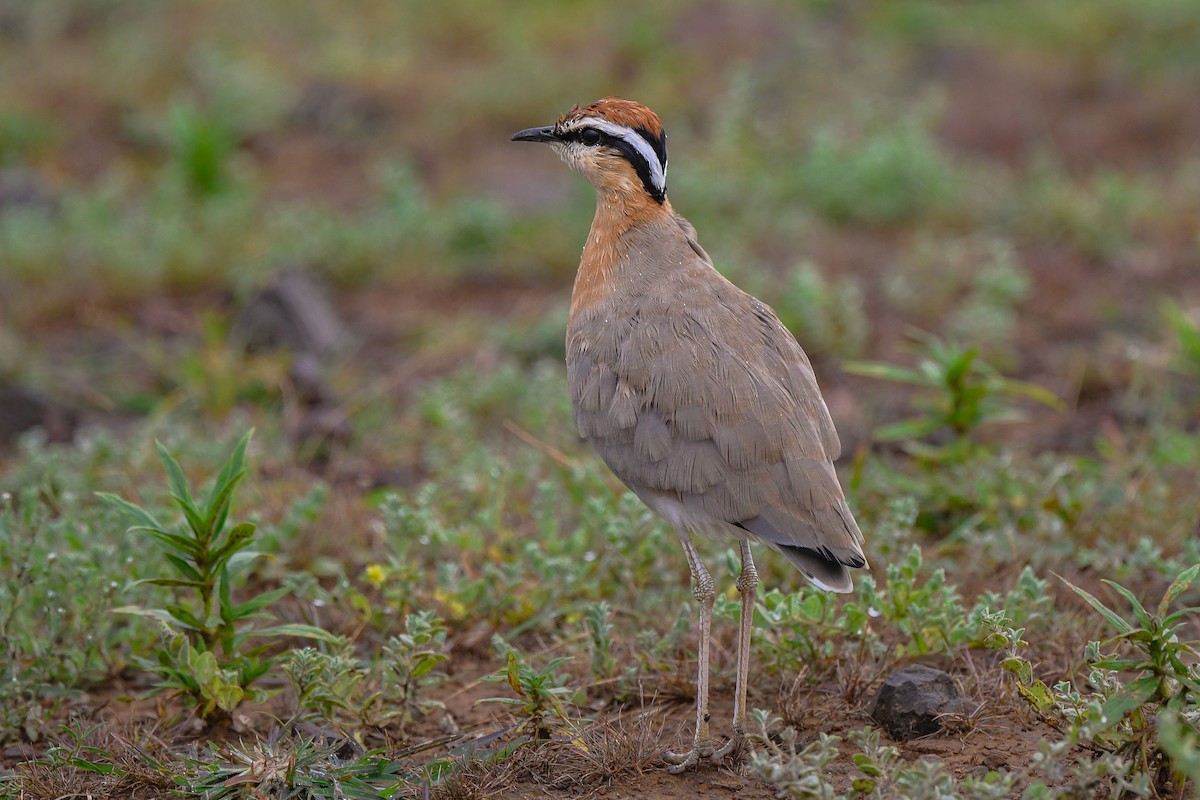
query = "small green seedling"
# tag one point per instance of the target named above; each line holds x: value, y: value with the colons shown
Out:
x: 208, y: 658
x: 539, y: 694
x: 598, y: 619
x: 322, y: 683
x: 960, y: 392
x: 202, y: 144
x: 1165, y: 666
x: 410, y: 661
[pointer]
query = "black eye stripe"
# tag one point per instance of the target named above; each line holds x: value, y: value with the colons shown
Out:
x: 638, y: 162
x: 659, y: 143
x: 600, y: 137
x: 628, y: 151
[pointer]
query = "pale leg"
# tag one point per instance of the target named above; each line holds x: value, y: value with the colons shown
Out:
x: 705, y: 592
x: 747, y: 585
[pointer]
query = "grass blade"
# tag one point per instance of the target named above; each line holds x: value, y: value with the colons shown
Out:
x: 178, y: 481
x: 144, y: 518
x: 231, y: 473
x: 1178, y: 587
x: 1142, y: 615
x: 1114, y: 619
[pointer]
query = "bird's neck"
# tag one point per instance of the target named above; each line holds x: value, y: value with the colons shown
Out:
x: 618, y: 214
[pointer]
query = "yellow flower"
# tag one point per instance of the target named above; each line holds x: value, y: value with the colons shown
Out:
x: 455, y: 609
x: 375, y: 574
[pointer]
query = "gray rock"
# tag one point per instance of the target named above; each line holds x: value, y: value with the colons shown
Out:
x: 911, y: 699
x: 291, y: 313
x: 21, y: 410
x: 341, y: 111
x: 25, y: 190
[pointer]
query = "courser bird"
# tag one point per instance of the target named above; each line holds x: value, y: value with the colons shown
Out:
x: 692, y: 391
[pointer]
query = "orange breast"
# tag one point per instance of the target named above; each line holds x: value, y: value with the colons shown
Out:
x: 607, y: 244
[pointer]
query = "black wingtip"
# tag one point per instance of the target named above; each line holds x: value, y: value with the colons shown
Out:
x: 827, y: 573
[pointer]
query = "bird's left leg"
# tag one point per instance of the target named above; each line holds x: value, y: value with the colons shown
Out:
x: 747, y: 586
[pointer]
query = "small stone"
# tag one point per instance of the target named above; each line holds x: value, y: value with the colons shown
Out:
x: 291, y: 313
x: 21, y: 410
x: 21, y: 190
x: 19, y: 752
x: 339, y: 110
x: 912, y: 698
x: 308, y: 378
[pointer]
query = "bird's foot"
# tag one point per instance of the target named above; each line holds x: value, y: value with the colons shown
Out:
x: 702, y: 751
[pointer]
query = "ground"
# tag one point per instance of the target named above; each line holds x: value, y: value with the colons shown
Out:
x: 1020, y: 185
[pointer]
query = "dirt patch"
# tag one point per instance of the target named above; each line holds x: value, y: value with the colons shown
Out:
x: 1007, y: 106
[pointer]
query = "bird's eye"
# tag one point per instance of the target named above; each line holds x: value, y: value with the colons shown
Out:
x: 590, y: 136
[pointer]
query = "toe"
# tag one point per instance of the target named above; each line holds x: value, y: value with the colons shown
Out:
x: 718, y: 755
x: 680, y: 761
x: 707, y: 751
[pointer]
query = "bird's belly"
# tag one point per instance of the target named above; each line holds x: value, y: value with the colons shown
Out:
x: 686, y: 520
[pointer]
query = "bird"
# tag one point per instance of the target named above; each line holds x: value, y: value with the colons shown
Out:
x: 692, y: 391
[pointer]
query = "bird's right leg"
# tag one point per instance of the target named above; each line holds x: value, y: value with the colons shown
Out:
x: 705, y: 591
x: 747, y: 585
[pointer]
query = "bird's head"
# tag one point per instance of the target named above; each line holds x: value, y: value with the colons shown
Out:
x: 618, y: 145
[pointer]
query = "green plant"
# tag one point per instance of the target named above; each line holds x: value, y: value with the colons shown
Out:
x: 806, y: 628
x: 322, y: 683
x: 890, y: 175
x: 999, y: 634
x: 218, y: 372
x: 540, y: 693
x: 207, y: 657
x: 826, y: 315
x: 91, y: 759
x: 1187, y: 335
x: 1136, y: 699
x: 960, y: 392
x: 885, y: 774
x: 655, y: 650
x: 987, y: 316
x: 876, y: 762
x: 21, y: 135
x: 291, y: 768
x: 798, y: 774
x: 410, y: 659
x: 927, y: 608
x: 73, y: 750
x: 1180, y: 740
x: 1066, y: 773
x: 1165, y: 670
x: 967, y: 288
x: 1098, y: 213
x: 201, y: 145
x: 58, y: 583
x: 932, y: 613
x: 597, y: 617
